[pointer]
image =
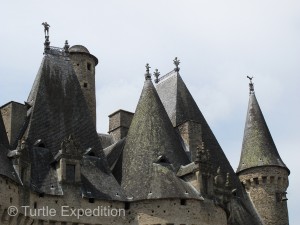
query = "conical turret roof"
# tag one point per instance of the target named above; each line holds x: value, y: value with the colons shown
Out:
x: 181, y: 107
x: 258, y: 147
x: 151, y: 140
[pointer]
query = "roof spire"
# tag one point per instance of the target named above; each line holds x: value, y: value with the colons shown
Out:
x: 251, y: 85
x: 156, y: 74
x: 258, y: 147
x: 176, y: 63
x: 147, y: 74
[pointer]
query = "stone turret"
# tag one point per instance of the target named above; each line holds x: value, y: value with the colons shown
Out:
x: 261, y: 170
x: 84, y: 65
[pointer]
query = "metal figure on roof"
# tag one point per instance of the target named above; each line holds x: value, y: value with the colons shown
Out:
x: 251, y: 85
x: 176, y: 63
x: 46, y: 28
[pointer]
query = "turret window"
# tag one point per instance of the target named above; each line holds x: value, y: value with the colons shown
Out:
x: 182, y: 202
x: 85, y: 85
x: 88, y: 66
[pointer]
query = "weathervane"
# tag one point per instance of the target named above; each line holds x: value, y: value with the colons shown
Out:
x: 251, y: 85
x: 148, y: 74
x: 176, y: 63
x: 156, y: 74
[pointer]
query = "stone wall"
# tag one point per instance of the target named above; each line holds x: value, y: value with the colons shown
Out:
x: 119, y: 123
x: 148, y: 212
x: 266, y: 187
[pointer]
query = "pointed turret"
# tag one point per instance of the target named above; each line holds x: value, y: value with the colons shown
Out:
x: 258, y: 146
x: 261, y: 170
x: 152, y: 149
x: 190, y: 123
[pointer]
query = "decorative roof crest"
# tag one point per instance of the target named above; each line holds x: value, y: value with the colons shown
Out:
x: 147, y: 74
x: 156, y: 74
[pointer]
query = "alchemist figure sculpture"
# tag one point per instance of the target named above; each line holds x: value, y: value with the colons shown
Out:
x: 46, y: 28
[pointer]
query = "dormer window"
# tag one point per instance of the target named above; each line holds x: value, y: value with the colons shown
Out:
x: 70, y: 172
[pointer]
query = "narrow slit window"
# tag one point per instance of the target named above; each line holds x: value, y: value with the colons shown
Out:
x: 89, y: 66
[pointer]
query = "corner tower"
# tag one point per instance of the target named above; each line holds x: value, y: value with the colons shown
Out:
x: 261, y: 170
x: 84, y: 65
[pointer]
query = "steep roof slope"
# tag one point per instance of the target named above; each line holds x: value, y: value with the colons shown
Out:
x: 59, y: 107
x: 181, y: 107
x: 258, y: 147
x: 3, y: 135
x: 59, y: 110
x: 151, y: 137
x: 6, y: 165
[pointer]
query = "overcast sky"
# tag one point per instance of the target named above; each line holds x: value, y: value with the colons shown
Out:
x: 218, y: 43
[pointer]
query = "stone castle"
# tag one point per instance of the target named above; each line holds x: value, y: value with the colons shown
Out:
x: 161, y: 165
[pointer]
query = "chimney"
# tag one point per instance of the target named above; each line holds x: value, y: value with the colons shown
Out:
x: 119, y: 123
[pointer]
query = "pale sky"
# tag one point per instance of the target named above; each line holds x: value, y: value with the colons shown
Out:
x: 217, y: 42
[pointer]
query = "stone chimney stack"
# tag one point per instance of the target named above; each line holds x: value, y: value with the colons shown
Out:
x: 119, y: 123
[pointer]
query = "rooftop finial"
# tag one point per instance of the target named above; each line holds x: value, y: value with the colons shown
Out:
x: 66, y: 47
x: 147, y: 74
x: 251, y: 85
x: 176, y: 63
x: 156, y: 74
x: 46, y: 28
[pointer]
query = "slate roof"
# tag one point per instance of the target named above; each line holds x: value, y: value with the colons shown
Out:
x: 181, y: 107
x: 58, y: 110
x: 3, y: 135
x: 113, y: 152
x: 78, y: 48
x: 106, y: 140
x: 6, y: 164
x: 82, y: 50
x: 150, y: 136
x: 258, y: 147
x: 242, y: 213
x: 97, y: 181
x: 43, y: 175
